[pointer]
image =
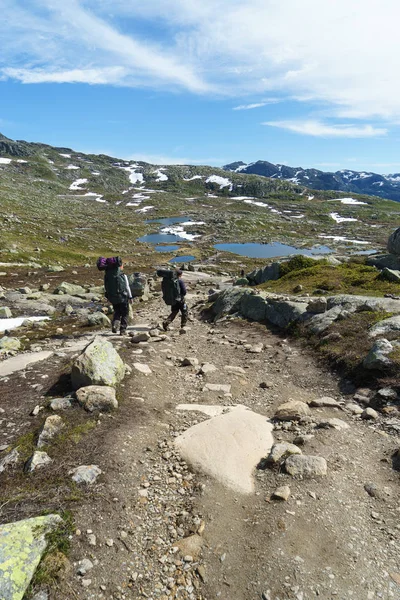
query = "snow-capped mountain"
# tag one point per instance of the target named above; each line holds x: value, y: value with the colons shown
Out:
x: 361, y: 182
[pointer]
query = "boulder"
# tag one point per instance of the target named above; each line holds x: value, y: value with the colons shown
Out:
x: 283, y: 313
x: 391, y: 275
x: 228, y: 301
x: 38, y: 461
x: 86, y: 474
x: 390, y: 325
x: 99, y: 364
x: 99, y: 318
x: 9, y: 344
x: 382, y: 261
x: 378, y: 357
x: 70, y: 289
x: 228, y: 447
x: 138, y: 285
x: 243, y: 281
x: 253, y: 307
x: 317, y: 305
x: 393, y: 245
x: 5, y: 312
x: 293, y: 410
x: 22, y: 545
x: 9, y: 460
x: 301, y: 465
x: 269, y: 273
x: 52, y: 426
x: 97, y: 397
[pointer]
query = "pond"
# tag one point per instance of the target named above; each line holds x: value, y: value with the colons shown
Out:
x: 166, y: 248
x: 182, y: 259
x: 275, y: 249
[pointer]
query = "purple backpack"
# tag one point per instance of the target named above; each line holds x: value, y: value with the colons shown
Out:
x: 108, y: 263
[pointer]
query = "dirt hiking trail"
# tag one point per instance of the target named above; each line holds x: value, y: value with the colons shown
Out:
x: 154, y: 527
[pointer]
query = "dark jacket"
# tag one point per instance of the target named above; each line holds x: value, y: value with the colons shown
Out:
x: 116, y: 286
x: 182, y: 288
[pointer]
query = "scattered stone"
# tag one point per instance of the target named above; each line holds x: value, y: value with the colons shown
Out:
x: 190, y: 362
x: 256, y: 349
x: 265, y: 385
x: 97, y: 397
x: 142, y: 368
x: 317, y: 305
x: 207, y: 368
x: 189, y: 546
x: 92, y: 541
x: 70, y: 289
x: 86, y: 474
x: 377, y: 357
x: 38, y: 460
x: 369, y: 414
x: 354, y: 408
x: 9, y: 459
x: 292, y: 411
x: 84, y: 566
x: 5, y: 312
x: 281, y: 493
x: 233, y: 370
x: 99, y: 364
x: 302, y: 439
x: 25, y: 290
x: 60, y: 404
x: 390, y: 325
x: 279, y: 452
x: 324, y: 401
x: 228, y: 447
x: 52, y: 426
x: 86, y: 582
x: 98, y: 318
x: 217, y: 387
x: 300, y: 465
x: 390, y: 275
x: 22, y: 545
x: 143, y: 336
x: 109, y: 542
x: 333, y: 424
x: 387, y: 393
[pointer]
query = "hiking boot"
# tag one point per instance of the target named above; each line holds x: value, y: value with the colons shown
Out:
x: 115, y: 327
x: 165, y: 325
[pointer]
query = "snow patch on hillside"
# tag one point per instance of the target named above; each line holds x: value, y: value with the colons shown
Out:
x: 221, y: 181
x: 348, y: 201
x: 72, y: 168
x: 336, y: 217
x: 5, y: 161
x: 160, y: 175
x: 193, y: 178
x: 76, y: 185
x: 134, y: 176
x: 65, y: 155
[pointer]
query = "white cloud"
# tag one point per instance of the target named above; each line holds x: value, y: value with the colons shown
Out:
x: 318, y: 129
x: 257, y: 104
x: 341, y: 54
x: 91, y: 76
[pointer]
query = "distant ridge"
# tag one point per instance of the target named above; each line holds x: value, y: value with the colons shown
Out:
x: 358, y: 182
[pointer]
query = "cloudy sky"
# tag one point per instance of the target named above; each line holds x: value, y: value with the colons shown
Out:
x: 301, y: 82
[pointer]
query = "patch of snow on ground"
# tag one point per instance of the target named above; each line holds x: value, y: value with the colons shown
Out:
x: 22, y: 161
x: 256, y: 203
x: 161, y: 176
x: 192, y: 178
x: 134, y: 176
x: 211, y: 196
x: 17, y: 322
x: 72, y: 168
x: 191, y: 223
x: 297, y: 216
x: 243, y: 198
x: 340, y: 238
x: 76, y: 184
x: 179, y: 230
x: 336, y: 217
x: 5, y: 161
x: 65, y: 155
x: 95, y: 172
x: 310, y: 197
x: 221, y: 181
x: 351, y: 201
x: 144, y: 209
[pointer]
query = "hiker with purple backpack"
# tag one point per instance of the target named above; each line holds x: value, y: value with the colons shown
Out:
x: 117, y: 291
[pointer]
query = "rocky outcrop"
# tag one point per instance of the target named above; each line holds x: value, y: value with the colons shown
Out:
x: 394, y: 242
x: 99, y: 319
x: 99, y: 364
x: 269, y: 273
x: 22, y: 545
x: 70, y: 289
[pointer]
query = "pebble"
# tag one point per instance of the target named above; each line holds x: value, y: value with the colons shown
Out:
x: 369, y: 414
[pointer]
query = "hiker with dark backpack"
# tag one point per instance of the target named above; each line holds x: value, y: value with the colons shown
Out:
x: 174, y: 291
x: 117, y: 291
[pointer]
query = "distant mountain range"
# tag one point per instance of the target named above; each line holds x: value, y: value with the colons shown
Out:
x: 357, y: 182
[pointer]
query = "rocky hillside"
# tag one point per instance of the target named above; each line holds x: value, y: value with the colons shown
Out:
x: 384, y: 186
x: 61, y: 207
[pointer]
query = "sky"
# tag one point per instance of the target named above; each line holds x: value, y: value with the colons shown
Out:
x: 310, y: 83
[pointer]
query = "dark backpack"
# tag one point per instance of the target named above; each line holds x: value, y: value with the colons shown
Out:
x: 108, y: 263
x: 170, y: 287
x: 115, y: 286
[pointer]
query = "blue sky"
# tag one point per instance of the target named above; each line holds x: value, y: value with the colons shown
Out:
x: 307, y: 83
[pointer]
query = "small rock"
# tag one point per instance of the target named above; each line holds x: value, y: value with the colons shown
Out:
x: 84, y: 566
x: 60, y: 403
x: 5, y: 312
x: 52, y: 426
x: 190, y: 362
x: 300, y: 465
x: 256, y: 349
x: 142, y: 368
x: 36, y: 411
x: 86, y: 582
x: 217, y: 387
x: 9, y: 344
x: 292, y: 411
x: 279, y: 452
x: 9, y: 460
x: 190, y: 546
x: 369, y: 414
x: 143, y: 336
x: 265, y: 385
x: 97, y: 397
x: 109, y: 542
x: 333, y: 424
x: 207, y: 368
x: 98, y: 319
x: 38, y: 460
x: 302, y: 439
x: 86, y: 474
x: 233, y: 370
x: 91, y: 539
x: 324, y: 401
x: 281, y: 493
x: 354, y: 408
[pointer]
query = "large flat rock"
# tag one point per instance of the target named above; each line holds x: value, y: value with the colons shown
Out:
x: 228, y: 447
x: 22, y: 545
x: 20, y: 362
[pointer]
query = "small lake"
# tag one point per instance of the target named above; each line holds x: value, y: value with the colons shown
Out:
x: 276, y: 249
x: 166, y: 248
x: 183, y: 259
